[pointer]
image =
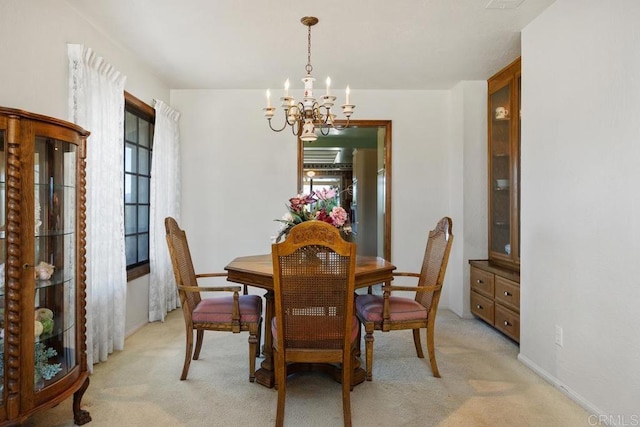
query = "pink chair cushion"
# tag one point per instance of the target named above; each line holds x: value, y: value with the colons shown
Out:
x: 355, y: 328
x: 219, y: 310
x: 370, y: 308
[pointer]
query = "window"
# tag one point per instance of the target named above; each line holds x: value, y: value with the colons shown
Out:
x: 139, y: 119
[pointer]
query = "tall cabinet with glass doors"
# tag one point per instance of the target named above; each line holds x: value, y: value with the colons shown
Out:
x: 495, y: 282
x: 42, y: 265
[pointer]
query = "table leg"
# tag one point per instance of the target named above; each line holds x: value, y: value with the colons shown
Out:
x: 265, y: 375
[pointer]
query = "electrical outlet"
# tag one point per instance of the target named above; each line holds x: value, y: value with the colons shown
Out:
x: 559, y: 335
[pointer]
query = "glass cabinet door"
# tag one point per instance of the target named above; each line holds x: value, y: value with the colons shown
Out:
x: 54, y: 259
x: 500, y: 171
x: 518, y: 157
x: 3, y: 255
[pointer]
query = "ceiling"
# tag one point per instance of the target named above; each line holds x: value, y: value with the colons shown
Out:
x: 367, y: 44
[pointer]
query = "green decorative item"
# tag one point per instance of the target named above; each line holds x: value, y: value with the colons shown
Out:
x: 47, y: 326
x: 45, y: 316
x: 44, y: 369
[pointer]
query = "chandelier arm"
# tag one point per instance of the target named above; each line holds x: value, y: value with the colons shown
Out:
x: 277, y: 130
x: 346, y: 125
x: 295, y: 117
x: 322, y: 128
x: 325, y: 121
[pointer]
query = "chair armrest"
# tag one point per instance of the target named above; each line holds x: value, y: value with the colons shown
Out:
x: 245, y: 288
x: 211, y: 275
x: 210, y: 288
x: 389, y: 288
x: 405, y: 274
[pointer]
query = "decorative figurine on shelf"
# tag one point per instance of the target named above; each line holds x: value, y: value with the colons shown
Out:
x: 37, y: 329
x: 43, y: 271
x: 44, y: 316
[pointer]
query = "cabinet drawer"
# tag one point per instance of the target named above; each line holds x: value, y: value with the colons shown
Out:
x: 507, y: 293
x: 482, y: 281
x: 482, y: 307
x: 508, y: 322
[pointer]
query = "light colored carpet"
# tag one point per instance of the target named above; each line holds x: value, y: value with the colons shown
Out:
x: 482, y: 384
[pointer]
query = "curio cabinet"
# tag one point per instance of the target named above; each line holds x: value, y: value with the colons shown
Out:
x: 42, y: 265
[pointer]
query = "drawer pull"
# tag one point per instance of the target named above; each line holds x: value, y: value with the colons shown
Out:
x: 479, y: 281
x: 507, y: 293
x: 478, y: 306
x: 507, y: 323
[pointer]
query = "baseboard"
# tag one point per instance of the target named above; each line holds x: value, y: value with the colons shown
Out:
x: 571, y: 394
x: 135, y: 329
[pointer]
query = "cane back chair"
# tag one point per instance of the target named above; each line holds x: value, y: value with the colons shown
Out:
x: 314, y: 279
x: 388, y: 313
x: 234, y: 313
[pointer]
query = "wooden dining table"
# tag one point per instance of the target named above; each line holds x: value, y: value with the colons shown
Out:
x: 257, y: 270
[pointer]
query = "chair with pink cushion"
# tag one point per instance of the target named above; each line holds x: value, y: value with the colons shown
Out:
x: 234, y: 313
x: 388, y: 312
x: 314, y: 281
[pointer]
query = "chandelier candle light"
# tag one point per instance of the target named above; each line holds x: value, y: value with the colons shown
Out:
x: 311, y: 113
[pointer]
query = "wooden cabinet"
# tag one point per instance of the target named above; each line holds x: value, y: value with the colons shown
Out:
x: 495, y: 296
x: 504, y: 167
x: 42, y: 265
x: 495, y: 283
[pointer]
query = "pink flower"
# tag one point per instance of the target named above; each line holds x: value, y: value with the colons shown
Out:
x: 325, y: 194
x: 298, y: 202
x: 339, y: 216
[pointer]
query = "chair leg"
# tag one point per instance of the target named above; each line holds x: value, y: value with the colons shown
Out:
x: 199, y: 339
x: 418, y: 344
x: 358, y: 341
x: 253, y: 343
x: 346, y: 386
x: 281, y: 382
x: 431, y: 350
x: 259, y: 338
x: 187, y: 355
x: 368, y: 345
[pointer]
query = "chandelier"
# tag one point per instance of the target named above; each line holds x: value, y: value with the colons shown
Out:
x: 308, y: 116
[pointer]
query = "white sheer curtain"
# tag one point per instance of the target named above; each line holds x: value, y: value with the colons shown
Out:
x: 96, y: 102
x: 165, y: 201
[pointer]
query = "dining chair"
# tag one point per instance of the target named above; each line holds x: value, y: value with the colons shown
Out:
x: 387, y: 313
x: 231, y: 313
x: 314, y: 279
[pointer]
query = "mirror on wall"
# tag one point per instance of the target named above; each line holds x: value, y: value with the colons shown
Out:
x: 356, y: 159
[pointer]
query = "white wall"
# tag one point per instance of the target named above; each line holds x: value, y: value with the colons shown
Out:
x: 34, y: 74
x: 468, y: 183
x: 238, y: 174
x: 581, y: 202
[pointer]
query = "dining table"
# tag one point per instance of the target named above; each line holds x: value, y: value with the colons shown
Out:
x: 257, y: 271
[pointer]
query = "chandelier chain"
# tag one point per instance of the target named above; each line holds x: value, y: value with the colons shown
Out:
x: 309, y: 67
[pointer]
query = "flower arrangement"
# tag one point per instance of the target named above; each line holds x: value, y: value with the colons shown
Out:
x: 320, y: 205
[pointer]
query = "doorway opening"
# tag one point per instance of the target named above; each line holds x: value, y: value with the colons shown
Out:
x: 356, y: 159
